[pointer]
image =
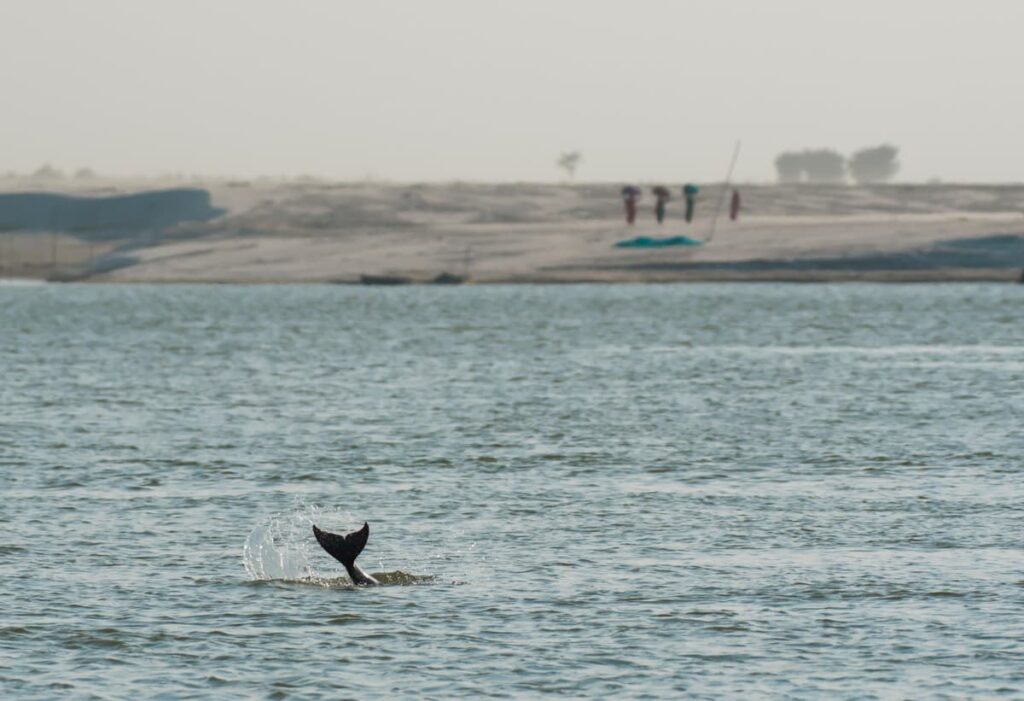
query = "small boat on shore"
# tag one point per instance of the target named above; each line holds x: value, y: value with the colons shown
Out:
x: 441, y: 279
x: 448, y: 279
x: 384, y: 280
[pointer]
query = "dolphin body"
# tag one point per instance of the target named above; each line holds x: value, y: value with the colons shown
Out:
x: 345, y: 549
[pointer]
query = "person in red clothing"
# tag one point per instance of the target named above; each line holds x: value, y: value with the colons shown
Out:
x: 734, y: 205
x: 630, y: 195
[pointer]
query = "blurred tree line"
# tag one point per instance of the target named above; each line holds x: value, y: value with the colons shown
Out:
x: 876, y: 164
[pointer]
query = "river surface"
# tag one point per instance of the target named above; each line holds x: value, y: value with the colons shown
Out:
x: 702, y: 491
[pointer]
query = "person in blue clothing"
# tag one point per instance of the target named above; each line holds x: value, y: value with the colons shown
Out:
x: 661, y: 196
x: 690, y: 194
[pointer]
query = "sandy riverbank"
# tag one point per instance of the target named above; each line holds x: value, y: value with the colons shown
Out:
x: 317, y: 232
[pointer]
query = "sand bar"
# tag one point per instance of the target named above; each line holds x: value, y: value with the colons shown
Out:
x: 527, y: 232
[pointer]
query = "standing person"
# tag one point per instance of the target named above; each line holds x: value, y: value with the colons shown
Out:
x: 630, y: 194
x: 662, y: 196
x: 690, y: 193
x: 734, y: 205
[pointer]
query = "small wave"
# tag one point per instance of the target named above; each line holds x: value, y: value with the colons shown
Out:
x: 398, y: 578
x: 894, y: 350
x: 86, y: 641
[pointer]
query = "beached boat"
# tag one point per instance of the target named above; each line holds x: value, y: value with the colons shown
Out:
x: 384, y: 280
x: 448, y: 279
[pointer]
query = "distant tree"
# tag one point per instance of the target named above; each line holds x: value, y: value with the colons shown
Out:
x: 85, y: 174
x: 790, y: 167
x: 874, y: 165
x: 824, y: 165
x: 47, y: 172
x: 569, y: 162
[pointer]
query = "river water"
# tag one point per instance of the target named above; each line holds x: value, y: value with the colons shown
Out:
x: 710, y: 491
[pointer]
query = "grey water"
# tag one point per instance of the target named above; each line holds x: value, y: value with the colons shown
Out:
x: 706, y: 491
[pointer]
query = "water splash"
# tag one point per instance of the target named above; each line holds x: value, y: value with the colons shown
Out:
x: 265, y: 557
x: 282, y: 546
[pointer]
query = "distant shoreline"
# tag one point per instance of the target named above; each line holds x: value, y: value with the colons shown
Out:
x: 508, y: 233
x: 954, y: 276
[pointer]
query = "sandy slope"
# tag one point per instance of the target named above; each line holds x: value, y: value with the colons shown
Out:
x: 518, y: 232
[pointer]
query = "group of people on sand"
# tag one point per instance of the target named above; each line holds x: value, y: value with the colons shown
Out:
x: 631, y: 194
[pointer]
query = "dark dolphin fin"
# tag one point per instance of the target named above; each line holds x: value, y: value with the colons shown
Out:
x: 343, y: 548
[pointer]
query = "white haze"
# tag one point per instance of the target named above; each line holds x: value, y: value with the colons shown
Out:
x: 495, y: 90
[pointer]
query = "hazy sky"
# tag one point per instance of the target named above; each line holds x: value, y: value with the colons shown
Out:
x: 494, y: 89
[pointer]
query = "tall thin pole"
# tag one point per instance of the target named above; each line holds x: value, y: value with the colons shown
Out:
x: 725, y: 188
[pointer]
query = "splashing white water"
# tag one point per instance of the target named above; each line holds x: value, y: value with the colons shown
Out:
x: 266, y: 559
x: 281, y: 547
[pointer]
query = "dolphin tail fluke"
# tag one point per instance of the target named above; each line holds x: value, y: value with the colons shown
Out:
x: 343, y: 548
